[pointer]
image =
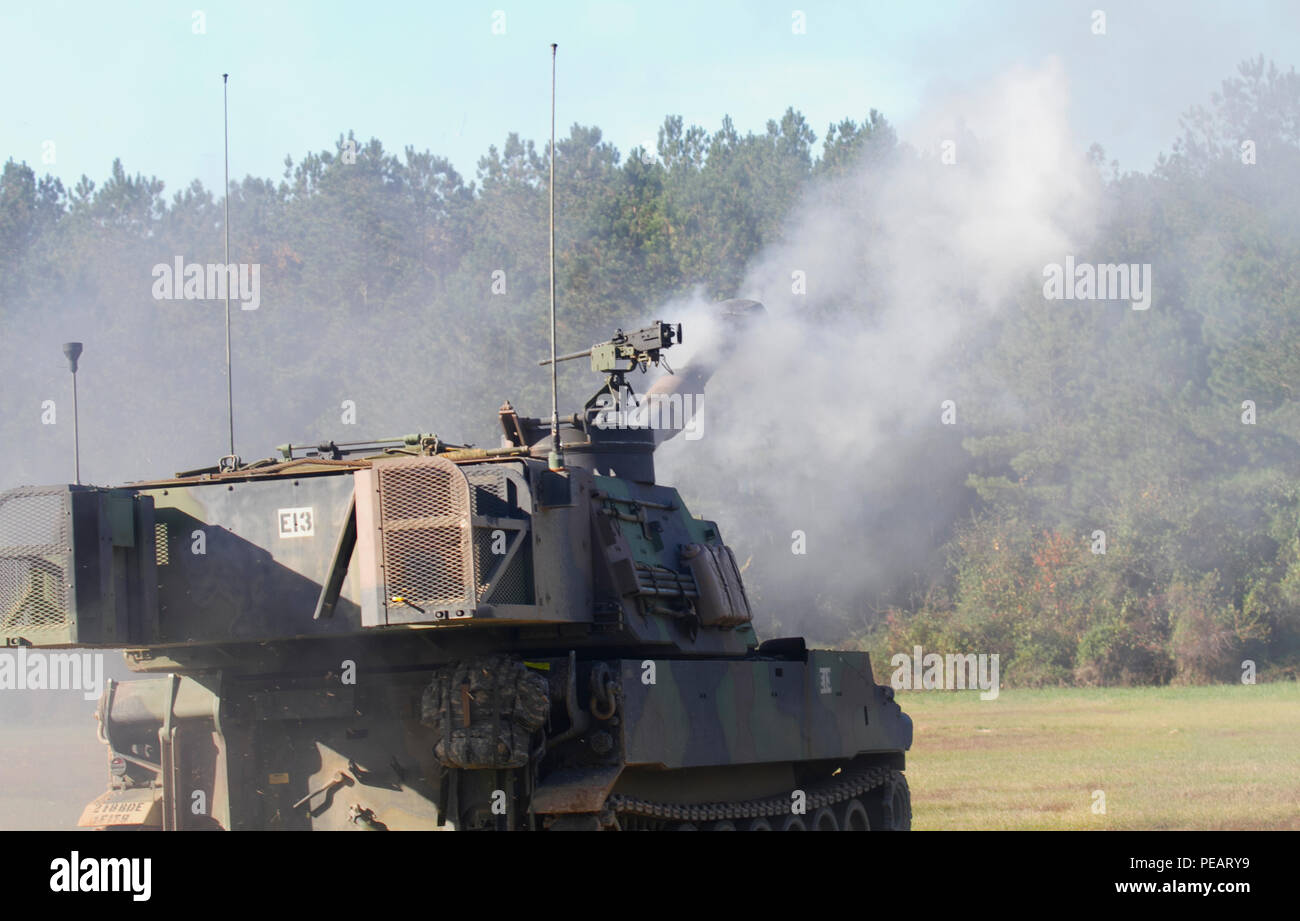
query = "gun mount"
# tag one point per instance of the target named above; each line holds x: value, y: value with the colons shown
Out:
x: 640, y: 349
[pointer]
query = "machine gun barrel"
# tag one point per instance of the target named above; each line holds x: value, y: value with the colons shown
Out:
x: 572, y: 355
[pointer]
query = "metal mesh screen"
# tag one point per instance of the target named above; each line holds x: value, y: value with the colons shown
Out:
x: 425, y: 512
x: 162, y: 552
x: 485, y: 561
x: 35, y: 556
x: 488, y: 482
x: 490, y: 494
x: 513, y: 587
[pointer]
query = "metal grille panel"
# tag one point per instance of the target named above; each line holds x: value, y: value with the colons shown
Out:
x: 35, y: 559
x: 490, y: 494
x: 490, y: 480
x: 485, y: 561
x: 161, y: 551
x: 513, y: 586
x: 425, y: 513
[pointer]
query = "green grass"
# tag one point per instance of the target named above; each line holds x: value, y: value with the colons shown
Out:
x: 1186, y: 758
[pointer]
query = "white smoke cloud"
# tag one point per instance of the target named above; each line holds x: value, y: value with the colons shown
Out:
x: 830, y: 422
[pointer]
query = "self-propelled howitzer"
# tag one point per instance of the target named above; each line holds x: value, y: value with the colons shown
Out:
x: 410, y: 634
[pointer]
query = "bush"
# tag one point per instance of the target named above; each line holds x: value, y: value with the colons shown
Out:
x: 1203, y: 640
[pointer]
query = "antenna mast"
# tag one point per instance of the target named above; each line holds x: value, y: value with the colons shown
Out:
x: 230, y: 392
x: 556, y: 460
x: 72, y: 351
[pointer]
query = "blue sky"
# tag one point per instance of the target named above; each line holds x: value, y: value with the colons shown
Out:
x: 134, y: 79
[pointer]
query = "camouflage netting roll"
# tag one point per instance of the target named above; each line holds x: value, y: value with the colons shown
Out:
x: 484, y: 711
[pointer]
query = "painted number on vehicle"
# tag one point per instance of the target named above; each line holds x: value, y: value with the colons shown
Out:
x: 297, y: 522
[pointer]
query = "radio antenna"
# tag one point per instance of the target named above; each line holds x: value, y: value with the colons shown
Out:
x: 556, y: 459
x: 72, y: 351
x: 230, y: 388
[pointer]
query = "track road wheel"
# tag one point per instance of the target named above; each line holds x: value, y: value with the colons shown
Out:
x: 889, y: 806
x: 792, y: 822
x: 853, y: 816
x: 759, y: 824
x: 824, y: 820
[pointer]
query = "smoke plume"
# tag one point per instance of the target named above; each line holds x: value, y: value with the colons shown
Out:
x: 826, y: 432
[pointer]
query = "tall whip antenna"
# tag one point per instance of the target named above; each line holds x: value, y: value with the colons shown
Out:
x: 230, y: 390
x: 556, y: 459
x: 72, y: 351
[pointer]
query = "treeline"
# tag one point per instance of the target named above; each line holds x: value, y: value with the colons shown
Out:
x: 1169, y: 439
x: 395, y: 283
x: 374, y: 266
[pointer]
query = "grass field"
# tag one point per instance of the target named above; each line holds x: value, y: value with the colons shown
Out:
x: 1187, y: 758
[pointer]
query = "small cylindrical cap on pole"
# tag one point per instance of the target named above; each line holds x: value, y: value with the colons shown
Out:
x: 73, y: 351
